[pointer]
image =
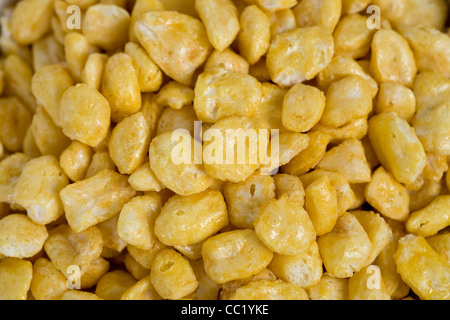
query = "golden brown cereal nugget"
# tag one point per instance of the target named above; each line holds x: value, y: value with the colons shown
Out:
x: 392, y: 63
x: 220, y: 18
x: 15, y: 121
x: 144, y: 179
x: 114, y: 284
x: 142, y: 290
x: 286, y: 147
x: 172, y: 276
x: 235, y: 147
x: 49, y: 138
x: 235, y: 255
x: 191, y: 251
x: 48, y: 283
x: 348, y: 158
x: 227, y: 59
x: 435, y: 57
x: 400, y: 151
x: 93, y: 272
x: 329, y: 288
x: 75, y: 160
x: 149, y: 74
x: 341, y: 67
x: 432, y: 91
x: 254, y: 37
x: 441, y: 244
x: 270, y: 290
x: 303, y: 269
x: 123, y: 93
x: 85, y: 114
x: 431, y: 127
x: 178, y: 171
x: 270, y: 5
x: 207, y: 289
x: 77, y: 50
x: 230, y: 287
x: 10, y: 170
x: 284, y: 227
x: 141, y: 7
x: 423, y: 269
x: 377, y: 230
x: 94, y: 67
x: 31, y: 20
x: 191, y: 219
x: 135, y: 268
x: 80, y: 295
x: 284, y: 61
x: 245, y: 198
x: 436, y: 167
x: 281, y: 21
x: 136, y: 223
x: 128, y: 144
x: 271, y: 104
x: 413, y: 13
x: 175, y: 95
x: 38, y: 188
x: 345, y: 194
x: 387, y: 195
x: 431, y: 219
x: 66, y: 248
x: 103, y: 195
x: 220, y: 93
x: 20, y: 237
x: 172, y: 119
x: 290, y: 185
x: 395, y: 286
x: 171, y: 34
x: 48, y: 86
x: 352, y: 94
x: 309, y: 157
x: 352, y: 37
x: 311, y: 13
x: 303, y: 107
x: 353, y: 6
x: 110, y: 234
x: 146, y: 257
x: 106, y: 26
x: 346, y: 248
x: 15, y: 278
x: 321, y: 205
x: 394, y: 97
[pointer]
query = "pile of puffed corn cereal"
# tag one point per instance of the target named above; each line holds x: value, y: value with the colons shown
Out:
x: 359, y: 208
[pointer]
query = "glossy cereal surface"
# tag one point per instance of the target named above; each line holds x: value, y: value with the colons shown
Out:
x: 224, y: 150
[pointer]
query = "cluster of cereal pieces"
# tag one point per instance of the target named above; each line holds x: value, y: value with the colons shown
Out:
x: 360, y: 208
